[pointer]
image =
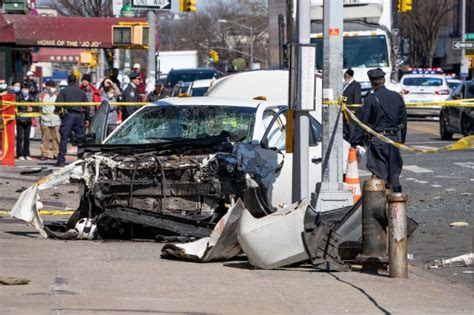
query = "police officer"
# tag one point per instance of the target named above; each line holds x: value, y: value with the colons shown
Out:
x: 74, y: 119
x: 384, y: 111
x: 130, y: 94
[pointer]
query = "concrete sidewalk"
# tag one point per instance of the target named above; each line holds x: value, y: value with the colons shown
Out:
x: 85, y: 277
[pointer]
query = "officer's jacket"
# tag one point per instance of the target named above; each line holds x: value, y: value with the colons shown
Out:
x: 130, y: 95
x: 383, y: 110
x: 73, y: 94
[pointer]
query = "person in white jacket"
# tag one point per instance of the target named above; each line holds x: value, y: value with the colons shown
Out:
x: 49, y: 121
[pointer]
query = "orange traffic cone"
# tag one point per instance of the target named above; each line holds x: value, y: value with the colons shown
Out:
x: 352, y: 175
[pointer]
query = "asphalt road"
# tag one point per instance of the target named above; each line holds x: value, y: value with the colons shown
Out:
x: 440, y: 189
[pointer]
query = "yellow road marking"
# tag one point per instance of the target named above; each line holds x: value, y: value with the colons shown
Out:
x: 44, y: 212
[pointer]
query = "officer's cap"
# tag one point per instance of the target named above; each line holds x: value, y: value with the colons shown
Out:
x: 133, y: 75
x: 376, y: 73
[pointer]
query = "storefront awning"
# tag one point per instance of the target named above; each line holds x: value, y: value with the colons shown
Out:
x: 52, y: 31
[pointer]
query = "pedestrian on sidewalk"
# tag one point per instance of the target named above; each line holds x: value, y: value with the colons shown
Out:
x: 49, y: 121
x: 352, y: 93
x: 30, y: 80
x: 157, y: 93
x: 75, y: 118
x: 108, y: 95
x: 385, y: 112
x: 141, y: 88
x: 93, y: 94
x: 23, y: 124
x: 3, y: 87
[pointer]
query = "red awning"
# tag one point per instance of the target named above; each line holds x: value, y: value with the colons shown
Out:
x: 53, y: 31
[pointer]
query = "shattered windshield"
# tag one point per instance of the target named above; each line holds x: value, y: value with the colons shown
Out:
x: 157, y: 124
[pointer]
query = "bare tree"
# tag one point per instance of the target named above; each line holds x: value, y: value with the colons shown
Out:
x: 86, y: 8
x: 423, y: 25
x: 202, y: 31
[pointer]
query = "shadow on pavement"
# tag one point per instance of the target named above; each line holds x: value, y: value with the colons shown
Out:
x: 24, y: 234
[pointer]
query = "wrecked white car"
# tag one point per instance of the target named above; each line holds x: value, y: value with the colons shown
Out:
x: 173, y: 168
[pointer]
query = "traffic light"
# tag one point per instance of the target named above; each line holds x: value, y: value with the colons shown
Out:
x: 404, y: 5
x: 88, y: 59
x: 187, y: 5
x: 133, y: 34
x: 121, y: 35
x: 214, y: 55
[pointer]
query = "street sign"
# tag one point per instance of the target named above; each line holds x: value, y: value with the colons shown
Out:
x: 463, y: 45
x: 469, y: 36
x: 116, y: 7
x: 152, y: 4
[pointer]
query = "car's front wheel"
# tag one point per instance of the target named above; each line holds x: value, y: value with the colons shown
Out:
x: 443, y: 127
x: 467, y: 126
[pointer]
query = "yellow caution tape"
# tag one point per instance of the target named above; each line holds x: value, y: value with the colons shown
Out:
x: 453, y: 103
x: 59, y: 104
x: 45, y: 212
x: 461, y: 144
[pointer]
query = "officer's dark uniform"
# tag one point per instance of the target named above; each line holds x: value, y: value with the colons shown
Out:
x: 384, y: 111
x: 130, y: 94
x: 73, y: 120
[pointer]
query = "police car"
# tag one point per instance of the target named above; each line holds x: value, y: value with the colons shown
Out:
x: 425, y: 85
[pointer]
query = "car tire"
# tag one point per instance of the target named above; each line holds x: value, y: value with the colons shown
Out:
x: 443, y: 127
x: 467, y: 126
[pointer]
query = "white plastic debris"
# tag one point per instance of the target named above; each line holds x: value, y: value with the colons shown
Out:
x: 222, y: 244
x: 466, y: 260
x: 275, y: 240
x: 459, y: 224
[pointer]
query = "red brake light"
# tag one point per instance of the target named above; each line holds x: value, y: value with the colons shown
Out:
x: 442, y: 92
x: 405, y: 92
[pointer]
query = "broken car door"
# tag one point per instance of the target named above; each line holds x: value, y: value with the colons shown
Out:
x: 98, y: 128
x: 275, y: 137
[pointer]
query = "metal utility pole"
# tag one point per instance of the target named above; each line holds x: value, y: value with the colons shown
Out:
x: 302, y: 89
x: 333, y: 194
x: 464, y: 64
x: 151, y: 65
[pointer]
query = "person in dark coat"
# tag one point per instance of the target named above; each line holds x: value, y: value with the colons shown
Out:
x: 157, y: 93
x: 384, y: 111
x: 352, y: 92
x: 130, y: 95
x: 30, y: 80
x: 75, y: 118
x: 23, y: 124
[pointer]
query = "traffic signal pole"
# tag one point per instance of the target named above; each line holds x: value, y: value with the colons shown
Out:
x: 300, y: 189
x: 333, y: 194
x: 151, y: 65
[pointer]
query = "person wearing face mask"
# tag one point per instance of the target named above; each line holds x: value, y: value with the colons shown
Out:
x: 49, y: 121
x: 109, y: 95
x: 16, y: 87
x: 3, y: 87
x: 23, y: 124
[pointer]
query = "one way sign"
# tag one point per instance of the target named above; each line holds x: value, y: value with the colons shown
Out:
x: 463, y: 45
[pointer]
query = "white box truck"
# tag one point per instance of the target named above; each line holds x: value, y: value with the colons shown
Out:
x: 181, y: 59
